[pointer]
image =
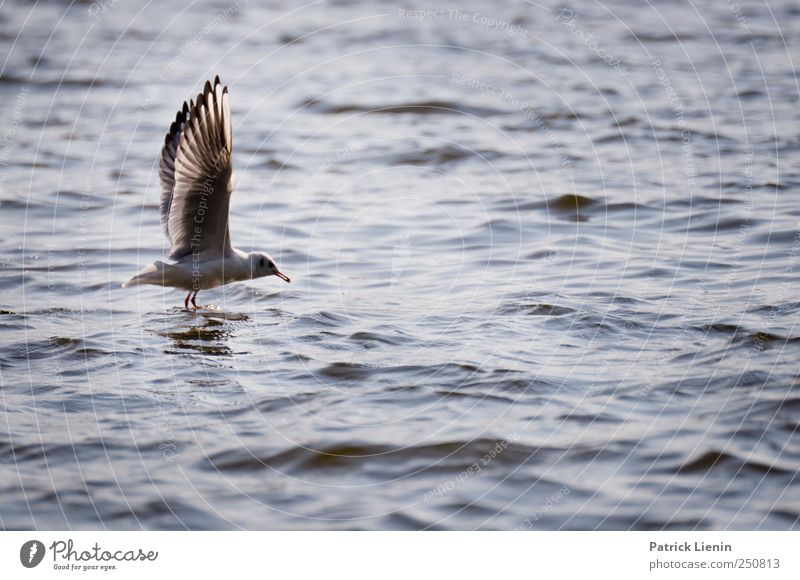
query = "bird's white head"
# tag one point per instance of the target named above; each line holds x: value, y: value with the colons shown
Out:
x: 261, y: 264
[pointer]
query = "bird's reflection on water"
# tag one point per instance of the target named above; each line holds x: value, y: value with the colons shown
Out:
x: 208, y: 333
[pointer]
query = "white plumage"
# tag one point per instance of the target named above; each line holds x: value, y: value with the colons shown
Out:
x: 196, y: 174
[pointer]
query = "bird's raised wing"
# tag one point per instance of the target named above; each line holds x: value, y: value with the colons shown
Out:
x: 197, y: 176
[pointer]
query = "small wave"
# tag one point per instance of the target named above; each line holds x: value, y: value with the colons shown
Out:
x: 438, y: 156
x: 354, y: 456
x: 369, y: 339
x: 88, y: 82
x: 55, y: 346
x: 571, y: 202
x: 589, y: 419
x: 323, y: 318
x: 345, y: 371
x: 749, y: 93
x: 650, y: 37
x: 414, y: 108
x: 762, y: 340
x: 58, y: 453
x: 537, y: 309
x: 721, y: 460
x: 712, y: 224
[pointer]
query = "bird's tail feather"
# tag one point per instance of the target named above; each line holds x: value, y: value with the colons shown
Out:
x: 151, y: 274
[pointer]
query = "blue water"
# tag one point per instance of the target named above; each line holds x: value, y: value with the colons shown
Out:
x: 543, y: 258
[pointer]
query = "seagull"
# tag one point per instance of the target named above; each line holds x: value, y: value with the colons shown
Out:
x: 197, y: 181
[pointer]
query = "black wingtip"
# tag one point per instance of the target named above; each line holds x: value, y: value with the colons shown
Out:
x: 216, y: 80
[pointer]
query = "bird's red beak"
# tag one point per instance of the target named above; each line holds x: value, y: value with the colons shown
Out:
x: 283, y: 276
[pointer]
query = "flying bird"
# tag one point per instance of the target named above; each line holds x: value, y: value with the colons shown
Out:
x: 197, y: 181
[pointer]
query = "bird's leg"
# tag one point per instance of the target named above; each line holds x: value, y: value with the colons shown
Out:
x: 186, y: 302
x: 193, y: 300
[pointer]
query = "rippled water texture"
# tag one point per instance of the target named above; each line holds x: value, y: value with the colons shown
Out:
x: 544, y: 267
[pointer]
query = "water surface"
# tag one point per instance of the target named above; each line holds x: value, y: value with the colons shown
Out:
x: 543, y: 260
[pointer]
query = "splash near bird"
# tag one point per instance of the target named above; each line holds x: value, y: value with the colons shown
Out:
x: 197, y: 181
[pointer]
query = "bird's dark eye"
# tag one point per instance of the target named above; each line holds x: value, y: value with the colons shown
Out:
x: 271, y: 265
x: 261, y: 263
